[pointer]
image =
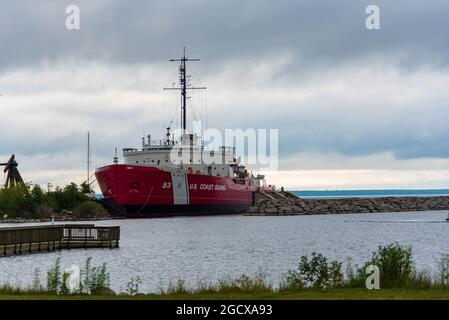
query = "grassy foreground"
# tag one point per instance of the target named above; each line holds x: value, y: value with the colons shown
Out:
x: 391, y: 268
x: 307, y: 294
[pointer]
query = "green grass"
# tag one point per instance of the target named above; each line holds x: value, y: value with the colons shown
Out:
x: 315, y: 278
x: 307, y: 294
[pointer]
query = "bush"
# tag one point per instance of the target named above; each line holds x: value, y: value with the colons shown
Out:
x: 55, y: 278
x: 68, y: 198
x: 244, y: 284
x: 16, y: 202
x: 36, y: 284
x: 421, y: 280
x: 396, y: 265
x: 94, y: 280
x: 32, y: 202
x: 132, y: 288
x: 443, y: 271
x: 355, y: 277
x: 85, y: 188
x: 89, y: 209
x: 316, y: 272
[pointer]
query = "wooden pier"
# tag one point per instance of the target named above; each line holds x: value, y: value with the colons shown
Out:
x: 34, y: 239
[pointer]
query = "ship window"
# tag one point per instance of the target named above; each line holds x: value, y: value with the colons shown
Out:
x: 159, y: 161
x: 137, y: 161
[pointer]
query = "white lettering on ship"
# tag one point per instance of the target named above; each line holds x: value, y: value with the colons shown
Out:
x: 216, y: 187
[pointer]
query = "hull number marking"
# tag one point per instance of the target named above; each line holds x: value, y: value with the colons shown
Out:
x: 166, y: 185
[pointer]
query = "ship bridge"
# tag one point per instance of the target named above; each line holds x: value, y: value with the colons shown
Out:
x: 188, y: 153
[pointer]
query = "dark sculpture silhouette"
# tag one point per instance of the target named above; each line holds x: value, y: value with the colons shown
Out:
x: 13, y: 177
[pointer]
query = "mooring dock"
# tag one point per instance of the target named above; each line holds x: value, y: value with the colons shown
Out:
x: 34, y: 239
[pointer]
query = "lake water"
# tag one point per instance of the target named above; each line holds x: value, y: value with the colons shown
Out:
x: 210, y: 248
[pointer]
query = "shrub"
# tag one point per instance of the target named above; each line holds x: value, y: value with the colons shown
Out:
x: 178, y: 288
x: 421, y: 280
x: 316, y: 272
x: 16, y: 202
x: 443, y: 271
x: 94, y: 280
x: 85, y: 188
x: 100, y: 279
x: 68, y: 198
x: 355, y: 277
x: 244, y: 283
x: 132, y: 288
x: 89, y: 209
x: 31, y: 201
x: 36, y: 284
x: 396, y: 265
x: 8, y: 289
x: 54, y: 277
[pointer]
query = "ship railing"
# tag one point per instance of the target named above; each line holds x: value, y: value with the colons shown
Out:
x: 90, y: 233
x: 241, y: 181
x: 161, y: 142
x: 223, y: 150
x: 129, y: 150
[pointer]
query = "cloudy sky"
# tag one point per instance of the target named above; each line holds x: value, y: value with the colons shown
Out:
x: 355, y: 108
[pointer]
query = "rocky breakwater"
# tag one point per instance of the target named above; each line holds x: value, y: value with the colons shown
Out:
x: 285, y: 203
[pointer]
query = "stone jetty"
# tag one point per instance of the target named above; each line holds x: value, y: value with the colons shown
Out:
x: 286, y: 203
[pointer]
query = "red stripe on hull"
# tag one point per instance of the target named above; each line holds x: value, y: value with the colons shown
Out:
x: 131, y: 185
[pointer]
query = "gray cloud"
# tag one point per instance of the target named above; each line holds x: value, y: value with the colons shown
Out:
x: 321, y: 32
x: 310, y: 68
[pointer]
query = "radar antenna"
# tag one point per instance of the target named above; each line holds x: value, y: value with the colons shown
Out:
x: 184, y: 86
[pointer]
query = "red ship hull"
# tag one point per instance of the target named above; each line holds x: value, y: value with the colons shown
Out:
x: 140, y: 191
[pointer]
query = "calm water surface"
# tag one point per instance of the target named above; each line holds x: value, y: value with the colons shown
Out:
x: 210, y: 248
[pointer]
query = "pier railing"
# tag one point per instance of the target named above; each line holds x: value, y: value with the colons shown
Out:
x: 18, y: 240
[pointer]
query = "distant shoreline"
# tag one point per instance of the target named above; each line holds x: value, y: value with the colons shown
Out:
x: 364, y: 193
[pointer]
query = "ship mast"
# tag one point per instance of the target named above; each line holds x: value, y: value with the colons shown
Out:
x: 184, y: 86
x: 88, y: 158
